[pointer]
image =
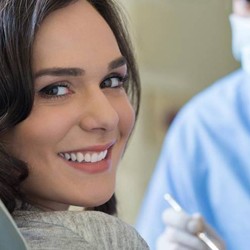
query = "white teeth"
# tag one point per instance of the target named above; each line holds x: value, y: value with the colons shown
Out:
x: 94, y: 157
x: 88, y: 157
x: 67, y: 156
x: 79, y: 157
x: 73, y: 157
x: 100, y: 156
x: 105, y: 153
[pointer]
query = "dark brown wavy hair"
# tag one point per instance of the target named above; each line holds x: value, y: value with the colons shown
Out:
x: 19, y: 22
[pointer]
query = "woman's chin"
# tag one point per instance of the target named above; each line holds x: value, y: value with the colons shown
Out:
x: 94, y: 201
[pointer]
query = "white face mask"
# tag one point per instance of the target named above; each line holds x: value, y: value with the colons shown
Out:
x: 241, y: 40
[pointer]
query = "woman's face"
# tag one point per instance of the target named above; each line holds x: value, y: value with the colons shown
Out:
x: 81, y: 119
x: 241, y: 8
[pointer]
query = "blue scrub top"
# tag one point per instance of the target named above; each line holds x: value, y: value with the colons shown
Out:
x: 205, y: 164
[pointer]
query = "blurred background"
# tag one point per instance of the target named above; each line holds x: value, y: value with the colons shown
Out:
x: 182, y: 46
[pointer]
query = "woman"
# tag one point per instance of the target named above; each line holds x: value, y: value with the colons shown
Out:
x: 67, y: 69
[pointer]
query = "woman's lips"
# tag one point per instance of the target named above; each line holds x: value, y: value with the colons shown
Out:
x: 85, y: 157
x: 91, y: 160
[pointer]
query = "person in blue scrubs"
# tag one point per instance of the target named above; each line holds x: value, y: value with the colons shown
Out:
x: 205, y: 159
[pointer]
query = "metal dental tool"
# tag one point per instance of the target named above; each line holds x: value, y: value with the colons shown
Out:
x: 202, y: 235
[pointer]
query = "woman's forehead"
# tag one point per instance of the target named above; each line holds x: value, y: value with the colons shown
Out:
x: 241, y: 7
x: 75, y: 34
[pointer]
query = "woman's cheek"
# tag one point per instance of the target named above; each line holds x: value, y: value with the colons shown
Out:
x: 127, y: 118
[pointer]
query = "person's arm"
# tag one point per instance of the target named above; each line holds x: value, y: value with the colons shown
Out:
x: 172, y: 174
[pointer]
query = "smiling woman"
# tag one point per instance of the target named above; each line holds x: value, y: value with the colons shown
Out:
x: 70, y: 92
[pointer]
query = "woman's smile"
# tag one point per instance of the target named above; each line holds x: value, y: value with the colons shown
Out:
x: 91, y: 160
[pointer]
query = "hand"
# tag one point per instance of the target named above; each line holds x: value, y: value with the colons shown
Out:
x: 181, y: 232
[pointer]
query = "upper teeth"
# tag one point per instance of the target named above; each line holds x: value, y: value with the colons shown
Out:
x: 87, y: 157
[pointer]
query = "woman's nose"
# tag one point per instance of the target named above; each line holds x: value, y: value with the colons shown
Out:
x: 99, y: 113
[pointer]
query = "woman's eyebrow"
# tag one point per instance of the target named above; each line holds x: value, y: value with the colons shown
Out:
x: 117, y: 63
x: 58, y: 71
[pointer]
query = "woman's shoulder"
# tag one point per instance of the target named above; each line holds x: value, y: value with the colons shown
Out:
x: 77, y: 230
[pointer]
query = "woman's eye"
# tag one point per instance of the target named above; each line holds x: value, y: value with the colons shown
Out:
x: 113, y: 82
x: 55, y: 90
